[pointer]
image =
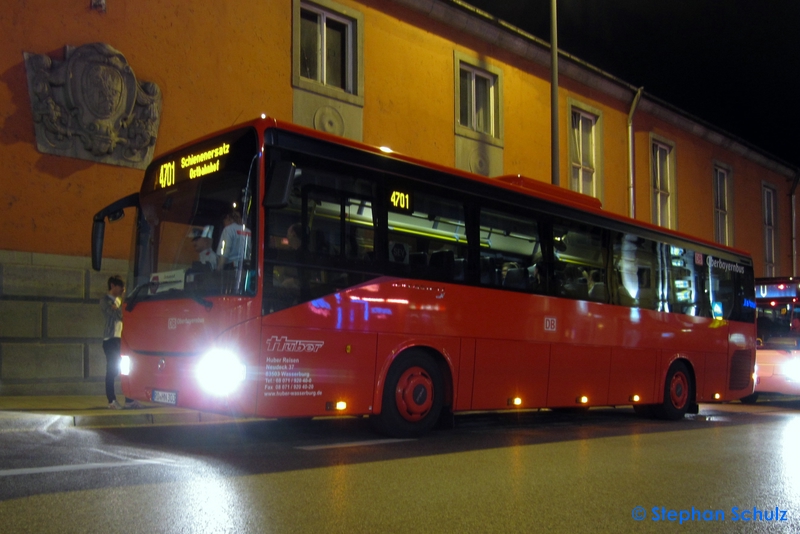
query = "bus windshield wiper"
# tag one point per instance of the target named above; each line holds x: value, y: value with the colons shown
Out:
x: 131, y: 300
x: 207, y: 304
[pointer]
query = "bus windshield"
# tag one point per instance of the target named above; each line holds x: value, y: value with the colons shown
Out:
x: 196, y: 221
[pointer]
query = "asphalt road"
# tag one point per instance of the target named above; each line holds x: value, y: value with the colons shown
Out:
x: 733, y: 468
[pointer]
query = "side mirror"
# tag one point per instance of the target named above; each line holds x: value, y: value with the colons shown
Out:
x: 280, y: 184
x: 98, y: 231
x: 113, y: 212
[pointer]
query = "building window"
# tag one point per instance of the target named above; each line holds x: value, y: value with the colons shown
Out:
x: 479, y: 93
x: 722, y: 204
x: 583, y: 155
x: 770, y: 208
x: 477, y: 100
x: 327, y: 50
x: 663, y: 184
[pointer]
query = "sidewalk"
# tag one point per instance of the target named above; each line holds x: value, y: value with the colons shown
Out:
x: 89, y: 411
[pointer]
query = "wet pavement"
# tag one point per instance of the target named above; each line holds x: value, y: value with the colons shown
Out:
x: 731, y: 468
x: 88, y: 411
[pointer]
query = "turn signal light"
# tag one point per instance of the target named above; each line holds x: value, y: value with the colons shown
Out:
x: 516, y: 401
x: 635, y: 398
x: 582, y: 400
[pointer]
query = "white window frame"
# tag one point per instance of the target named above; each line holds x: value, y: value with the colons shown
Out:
x: 662, y: 183
x: 576, y: 149
x: 322, y: 62
x: 479, y: 69
x: 473, y: 114
x: 723, y: 217
x: 353, y: 90
x: 769, y: 207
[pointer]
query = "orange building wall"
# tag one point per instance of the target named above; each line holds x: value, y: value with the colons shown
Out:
x: 695, y: 160
x: 218, y: 63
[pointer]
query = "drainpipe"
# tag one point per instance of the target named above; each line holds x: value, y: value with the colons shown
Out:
x: 631, y: 180
x: 554, y: 170
x: 794, y: 235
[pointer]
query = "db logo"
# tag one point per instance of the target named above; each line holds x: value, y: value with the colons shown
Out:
x: 549, y: 324
x: 172, y: 323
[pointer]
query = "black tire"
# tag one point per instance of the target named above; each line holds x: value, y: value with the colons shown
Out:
x: 750, y: 399
x: 678, y: 393
x: 413, y: 396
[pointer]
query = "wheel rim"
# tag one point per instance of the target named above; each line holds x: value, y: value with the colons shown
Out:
x: 679, y: 390
x: 414, y: 394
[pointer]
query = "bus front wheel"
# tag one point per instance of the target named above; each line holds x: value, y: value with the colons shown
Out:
x: 412, y: 396
x: 678, y: 393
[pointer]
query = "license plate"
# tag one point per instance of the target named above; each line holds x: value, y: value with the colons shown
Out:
x: 165, y: 397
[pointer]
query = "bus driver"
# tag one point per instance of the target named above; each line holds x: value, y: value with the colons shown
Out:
x: 234, y: 243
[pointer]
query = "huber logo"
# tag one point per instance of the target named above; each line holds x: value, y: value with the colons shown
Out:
x: 282, y: 344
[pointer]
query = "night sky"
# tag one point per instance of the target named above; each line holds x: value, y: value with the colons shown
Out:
x: 732, y: 63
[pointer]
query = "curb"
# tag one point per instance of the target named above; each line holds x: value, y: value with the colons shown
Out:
x: 46, y: 412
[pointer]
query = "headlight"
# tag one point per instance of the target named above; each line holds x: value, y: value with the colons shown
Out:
x: 220, y: 372
x: 125, y: 365
x: 791, y: 370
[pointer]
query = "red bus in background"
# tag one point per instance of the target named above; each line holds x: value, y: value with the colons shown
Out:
x: 369, y: 283
x: 778, y: 342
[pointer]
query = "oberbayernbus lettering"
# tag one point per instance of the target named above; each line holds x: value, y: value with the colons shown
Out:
x: 726, y: 266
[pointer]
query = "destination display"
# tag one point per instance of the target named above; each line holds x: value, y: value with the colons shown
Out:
x: 208, y: 158
x: 776, y: 290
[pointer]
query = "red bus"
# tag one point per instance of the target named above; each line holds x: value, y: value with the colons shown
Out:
x: 363, y: 282
x: 778, y: 341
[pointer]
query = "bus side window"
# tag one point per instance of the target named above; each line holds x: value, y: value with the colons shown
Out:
x: 580, y: 247
x: 429, y: 240
x: 682, y: 281
x: 634, y: 265
x: 509, y: 246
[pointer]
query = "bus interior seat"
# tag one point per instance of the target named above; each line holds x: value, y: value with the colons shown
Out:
x: 418, y: 258
x: 598, y: 292
x: 442, y: 262
x: 488, y: 271
x: 460, y: 269
x: 516, y: 279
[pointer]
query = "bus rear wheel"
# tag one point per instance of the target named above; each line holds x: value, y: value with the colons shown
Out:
x: 678, y: 393
x: 412, y: 396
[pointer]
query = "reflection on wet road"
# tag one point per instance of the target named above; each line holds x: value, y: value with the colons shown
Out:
x: 733, y: 468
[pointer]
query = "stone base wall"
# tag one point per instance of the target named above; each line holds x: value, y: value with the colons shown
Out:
x: 51, y: 327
